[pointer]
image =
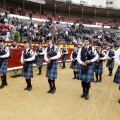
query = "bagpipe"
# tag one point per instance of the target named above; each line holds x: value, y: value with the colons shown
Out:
x: 89, y: 55
x: 3, y: 52
x: 39, y: 51
x: 63, y: 53
x: 26, y: 56
x: 74, y: 56
x: 51, y: 53
x: 111, y: 54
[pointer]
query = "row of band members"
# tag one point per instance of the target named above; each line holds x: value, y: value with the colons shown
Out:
x: 85, y: 61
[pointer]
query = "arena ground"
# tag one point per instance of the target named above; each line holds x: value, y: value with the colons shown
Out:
x: 65, y: 104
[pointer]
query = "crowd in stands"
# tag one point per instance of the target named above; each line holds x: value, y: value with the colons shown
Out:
x: 13, y: 29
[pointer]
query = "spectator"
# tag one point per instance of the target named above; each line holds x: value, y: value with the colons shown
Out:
x: 14, y: 45
x: 17, y: 36
x: 7, y: 38
x: 30, y: 16
x: 59, y: 17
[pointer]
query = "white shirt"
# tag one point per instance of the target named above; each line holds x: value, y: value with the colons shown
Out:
x: 117, y: 57
x: 29, y: 59
x: 92, y: 60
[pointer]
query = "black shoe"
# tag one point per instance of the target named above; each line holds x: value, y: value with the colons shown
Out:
x: 87, y: 96
x: 5, y: 84
x: 53, y: 90
x: 63, y: 67
x: 110, y: 75
x: 49, y: 91
x: 2, y: 86
x: 39, y: 73
x: 119, y: 101
x: 26, y: 88
x: 75, y: 78
x: 96, y: 81
x: 83, y: 95
x: 30, y: 88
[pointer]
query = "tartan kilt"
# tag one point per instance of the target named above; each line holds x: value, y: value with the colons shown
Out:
x: 52, y: 73
x: 117, y: 76
x: 110, y: 64
x: 76, y: 66
x: 63, y: 58
x: 88, y: 77
x: 29, y: 72
x: 100, y: 68
x: 4, y: 65
x: 39, y: 62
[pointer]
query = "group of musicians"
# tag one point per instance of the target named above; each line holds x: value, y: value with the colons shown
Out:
x: 85, y: 62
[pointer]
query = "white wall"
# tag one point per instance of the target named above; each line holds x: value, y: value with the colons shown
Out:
x: 78, y: 1
x: 98, y: 2
x: 117, y: 4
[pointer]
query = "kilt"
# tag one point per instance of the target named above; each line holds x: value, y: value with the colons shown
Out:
x: 100, y: 67
x: 72, y: 66
x: 52, y: 73
x: 4, y: 65
x: 39, y: 61
x: 110, y: 64
x: 88, y: 77
x: 29, y: 72
x: 117, y: 76
x: 63, y: 58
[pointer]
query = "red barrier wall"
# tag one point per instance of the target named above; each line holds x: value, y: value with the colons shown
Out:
x: 16, y: 55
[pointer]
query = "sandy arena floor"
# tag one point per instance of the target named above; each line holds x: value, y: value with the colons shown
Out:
x: 65, y: 104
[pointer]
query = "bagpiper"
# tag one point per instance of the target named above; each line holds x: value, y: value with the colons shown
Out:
x: 26, y: 59
x: 99, y: 64
x: 64, y: 55
x: 74, y: 63
x: 86, y: 56
x: 39, y: 57
x: 117, y: 74
x: 51, y: 55
x: 110, y: 61
x: 4, y: 54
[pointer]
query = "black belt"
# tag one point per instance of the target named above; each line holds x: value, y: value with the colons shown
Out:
x: 28, y: 62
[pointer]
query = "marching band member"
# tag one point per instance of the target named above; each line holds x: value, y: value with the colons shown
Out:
x: 99, y: 64
x: 4, y: 54
x: 51, y: 55
x: 110, y: 62
x: 74, y: 63
x: 64, y: 55
x: 39, y: 57
x: 86, y: 56
x: 26, y: 59
x: 117, y: 74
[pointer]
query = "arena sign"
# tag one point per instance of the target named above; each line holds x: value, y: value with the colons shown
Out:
x: 60, y: 25
x: 38, y: 1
